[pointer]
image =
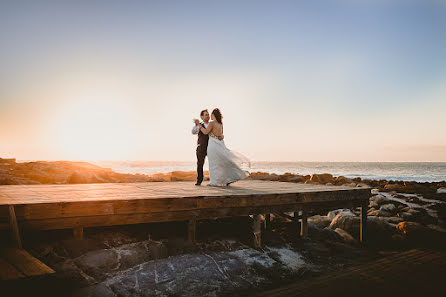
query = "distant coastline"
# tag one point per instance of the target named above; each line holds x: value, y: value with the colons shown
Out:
x: 407, y: 171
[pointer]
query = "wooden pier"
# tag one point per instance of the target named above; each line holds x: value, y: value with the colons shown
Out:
x: 45, y: 207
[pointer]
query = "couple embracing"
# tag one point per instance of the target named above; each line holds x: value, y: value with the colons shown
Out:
x: 224, y: 164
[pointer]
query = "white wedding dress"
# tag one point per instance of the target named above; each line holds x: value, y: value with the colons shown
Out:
x: 224, y: 164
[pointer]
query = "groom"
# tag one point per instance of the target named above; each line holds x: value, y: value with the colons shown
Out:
x: 202, y: 143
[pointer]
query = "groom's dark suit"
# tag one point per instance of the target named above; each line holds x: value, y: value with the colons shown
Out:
x: 202, y: 148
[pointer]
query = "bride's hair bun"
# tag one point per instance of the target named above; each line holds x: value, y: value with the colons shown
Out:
x: 217, y: 114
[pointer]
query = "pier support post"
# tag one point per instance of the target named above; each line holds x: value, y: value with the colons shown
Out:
x: 296, y: 216
x: 304, y: 224
x: 256, y: 230
x: 78, y: 233
x: 363, y: 222
x: 267, y: 222
x: 191, y: 230
x: 14, y: 227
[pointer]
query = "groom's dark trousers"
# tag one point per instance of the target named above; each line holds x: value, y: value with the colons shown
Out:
x: 202, y: 148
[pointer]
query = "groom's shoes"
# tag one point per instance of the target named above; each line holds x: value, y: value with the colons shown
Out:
x: 198, y: 184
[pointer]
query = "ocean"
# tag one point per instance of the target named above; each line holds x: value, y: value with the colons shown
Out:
x: 408, y: 171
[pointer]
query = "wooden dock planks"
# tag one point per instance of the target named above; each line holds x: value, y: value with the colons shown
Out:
x: 45, y: 207
x: 17, y: 263
x: 415, y: 272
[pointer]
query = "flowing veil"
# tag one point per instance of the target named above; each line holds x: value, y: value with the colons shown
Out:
x: 225, y: 166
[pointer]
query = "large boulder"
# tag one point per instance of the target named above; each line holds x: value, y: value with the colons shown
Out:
x: 415, y: 234
x: 320, y: 221
x: 332, y: 214
x: 183, y: 176
x: 394, y: 187
x: 378, y: 231
x: 346, y: 221
x: 322, y: 178
x: 373, y: 204
x: 379, y: 199
x: 389, y: 207
x: 293, y: 178
x: 411, y: 228
x: 78, y: 178
x: 341, y: 180
x: 392, y: 220
x: 323, y: 234
x: 378, y: 213
x: 346, y: 236
x: 261, y: 176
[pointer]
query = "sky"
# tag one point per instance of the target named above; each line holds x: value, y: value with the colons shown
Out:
x: 345, y: 80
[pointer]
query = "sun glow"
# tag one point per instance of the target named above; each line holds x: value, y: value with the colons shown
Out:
x: 94, y: 129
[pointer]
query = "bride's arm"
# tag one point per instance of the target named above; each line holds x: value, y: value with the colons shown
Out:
x: 208, y: 129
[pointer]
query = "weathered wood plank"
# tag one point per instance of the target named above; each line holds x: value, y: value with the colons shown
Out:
x: 304, y: 223
x: 88, y: 208
x: 191, y: 228
x: 124, y: 219
x: 363, y: 223
x: 257, y: 232
x: 78, y: 233
x: 8, y: 271
x: 268, y: 222
x: 24, y: 262
x: 32, y: 194
x: 14, y: 227
x: 45, y: 207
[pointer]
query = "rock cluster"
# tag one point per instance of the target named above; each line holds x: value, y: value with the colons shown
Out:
x: 126, y: 261
x: 400, y: 213
x: 66, y: 172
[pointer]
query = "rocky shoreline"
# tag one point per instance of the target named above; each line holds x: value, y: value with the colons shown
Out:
x: 157, y: 260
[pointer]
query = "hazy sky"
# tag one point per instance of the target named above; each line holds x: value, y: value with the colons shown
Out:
x: 312, y: 80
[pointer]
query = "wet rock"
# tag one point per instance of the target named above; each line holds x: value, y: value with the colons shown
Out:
x: 98, y: 264
x: 68, y: 270
x: 157, y: 250
x: 441, y: 190
x: 99, y: 290
x: 132, y: 254
x: 207, y: 274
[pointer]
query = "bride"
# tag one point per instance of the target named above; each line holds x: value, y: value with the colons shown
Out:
x: 224, y: 166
